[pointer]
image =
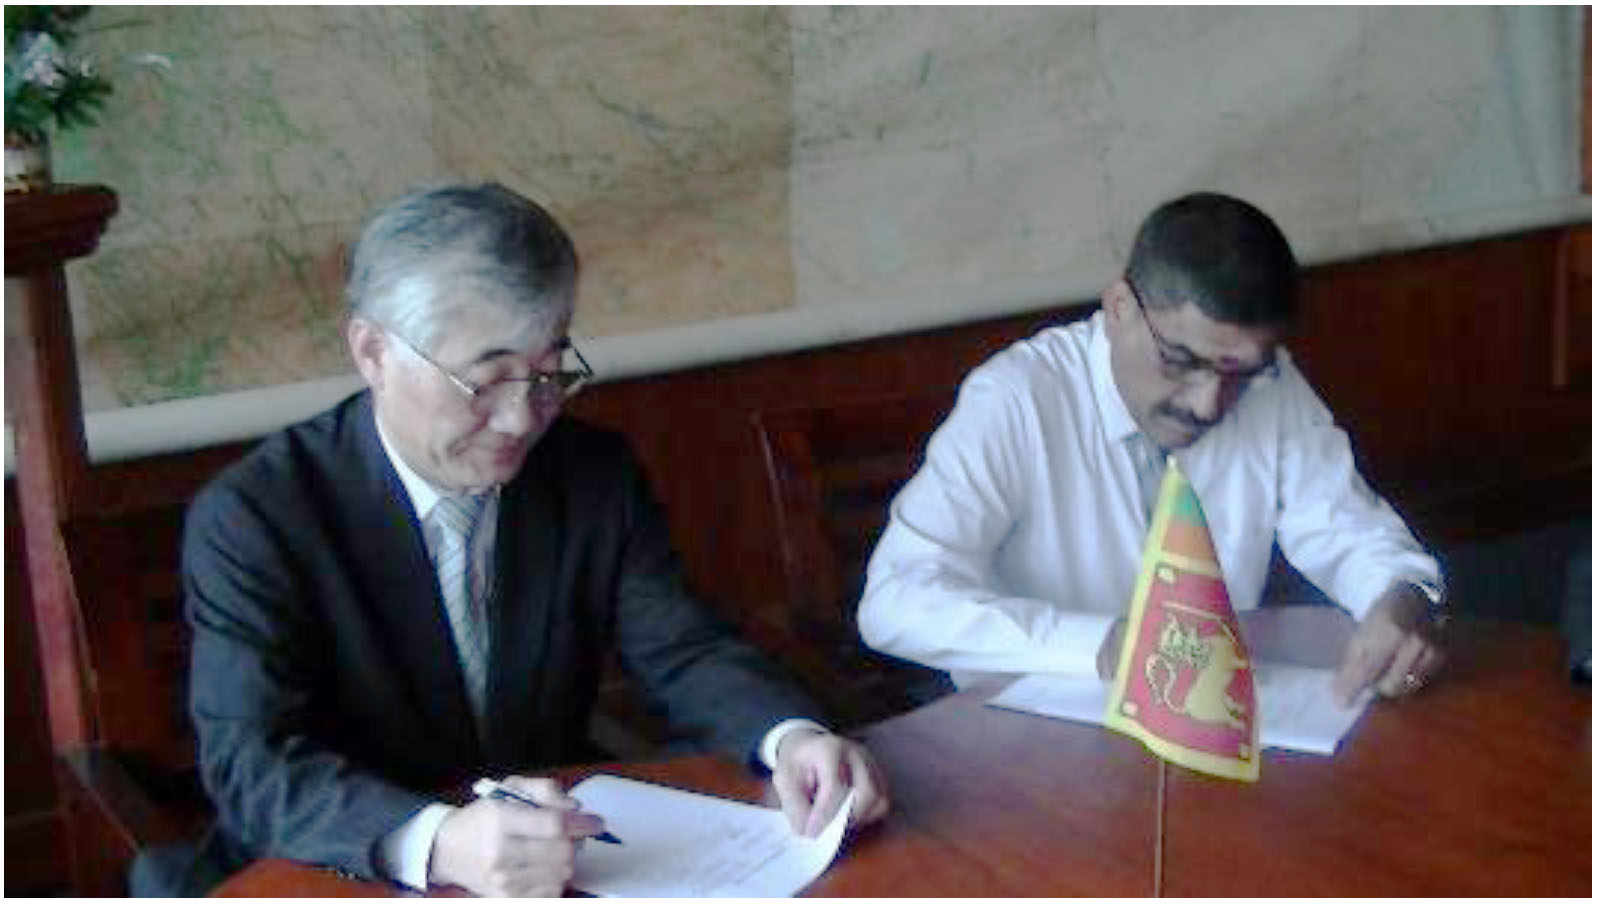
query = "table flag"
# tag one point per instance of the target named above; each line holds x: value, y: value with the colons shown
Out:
x: 1184, y: 685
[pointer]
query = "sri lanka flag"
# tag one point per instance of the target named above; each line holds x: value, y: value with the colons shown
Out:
x: 1184, y: 685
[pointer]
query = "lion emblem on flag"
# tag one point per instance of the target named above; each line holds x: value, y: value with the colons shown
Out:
x: 1209, y: 662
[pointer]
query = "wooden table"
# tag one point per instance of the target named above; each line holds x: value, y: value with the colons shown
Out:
x: 1482, y: 785
x: 1479, y: 786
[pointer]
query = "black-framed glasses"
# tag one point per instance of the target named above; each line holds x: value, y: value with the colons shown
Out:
x: 543, y: 387
x: 1181, y: 366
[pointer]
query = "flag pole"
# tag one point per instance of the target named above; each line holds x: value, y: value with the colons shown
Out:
x: 1158, y: 843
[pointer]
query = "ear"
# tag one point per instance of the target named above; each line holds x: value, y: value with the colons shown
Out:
x: 1118, y: 303
x: 368, y: 346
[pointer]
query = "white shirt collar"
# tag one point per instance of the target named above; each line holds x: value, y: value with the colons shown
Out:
x: 1118, y: 424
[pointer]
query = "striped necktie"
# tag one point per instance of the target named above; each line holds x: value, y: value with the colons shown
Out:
x: 457, y: 516
x: 1148, y: 461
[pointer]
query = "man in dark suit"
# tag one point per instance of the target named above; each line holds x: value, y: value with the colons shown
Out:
x: 420, y: 586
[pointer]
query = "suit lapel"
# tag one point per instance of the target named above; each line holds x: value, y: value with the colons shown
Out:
x: 526, y: 563
x: 397, y: 578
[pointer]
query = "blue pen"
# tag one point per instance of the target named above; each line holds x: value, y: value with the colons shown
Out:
x: 487, y: 787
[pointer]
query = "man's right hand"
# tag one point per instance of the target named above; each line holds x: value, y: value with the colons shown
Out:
x: 506, y: 849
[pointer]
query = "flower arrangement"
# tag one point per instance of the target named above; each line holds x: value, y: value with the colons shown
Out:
x: 47, y: 85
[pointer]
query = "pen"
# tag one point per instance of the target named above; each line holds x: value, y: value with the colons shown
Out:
x: 487, y: 787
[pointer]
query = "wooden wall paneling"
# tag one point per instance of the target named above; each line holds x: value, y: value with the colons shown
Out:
x: 695, y: 433
x: 1572, y: 313
x: 1436, y: 363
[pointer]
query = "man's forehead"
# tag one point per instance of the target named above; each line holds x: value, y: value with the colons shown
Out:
x: 486, y: 335
x: 1188, y: 327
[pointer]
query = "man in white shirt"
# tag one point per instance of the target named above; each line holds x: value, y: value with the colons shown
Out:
x: 1015, y: 548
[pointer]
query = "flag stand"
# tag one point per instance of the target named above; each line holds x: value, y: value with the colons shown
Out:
x: 1158, y: 842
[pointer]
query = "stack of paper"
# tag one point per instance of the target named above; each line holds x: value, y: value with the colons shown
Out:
x: 678, y: 844
x: 1297, y: 709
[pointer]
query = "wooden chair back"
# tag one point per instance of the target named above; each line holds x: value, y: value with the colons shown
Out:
x: 137, y: 644
x: 129, y: 779
x: 136, y: 784
x: 832, y: 473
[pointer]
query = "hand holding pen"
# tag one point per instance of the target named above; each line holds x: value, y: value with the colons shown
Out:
x: 487, y: 787
x: 519, y: 839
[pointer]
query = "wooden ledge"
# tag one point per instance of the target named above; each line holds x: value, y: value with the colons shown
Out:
x: 46, y: 228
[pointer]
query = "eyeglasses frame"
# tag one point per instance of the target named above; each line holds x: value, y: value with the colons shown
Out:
x: 570, y: 382
x: 1185, y: 372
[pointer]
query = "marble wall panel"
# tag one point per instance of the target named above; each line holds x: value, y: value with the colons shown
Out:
x: 718, y: 164
x: 202, y: 318
x: 872, y: 79
x: 659, y: 136
x: 1457, y: 116
x: 1185, y: 105
x: 934, y: 221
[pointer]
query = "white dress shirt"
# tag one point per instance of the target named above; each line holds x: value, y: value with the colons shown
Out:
x: 1017, y: 544
x: 405, y: 854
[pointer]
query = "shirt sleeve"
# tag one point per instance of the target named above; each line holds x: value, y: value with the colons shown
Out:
x: 775, y: 737
x: 406, y: 852
x: 1332, y: 526
x: 932, y: 595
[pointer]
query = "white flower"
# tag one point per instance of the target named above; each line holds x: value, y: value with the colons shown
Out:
x: 40, y: 61
x: 151, y: 61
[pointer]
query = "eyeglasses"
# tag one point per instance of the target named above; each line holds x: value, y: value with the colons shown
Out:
x: 542, y: 387
x: 1181, y: 366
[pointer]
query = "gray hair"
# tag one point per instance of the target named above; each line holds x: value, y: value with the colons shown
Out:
x: 1220, y: 253
x: 439, y: 247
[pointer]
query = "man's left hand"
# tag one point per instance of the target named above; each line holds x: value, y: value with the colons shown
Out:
x: 814, y: 772
x: 1393, y: 650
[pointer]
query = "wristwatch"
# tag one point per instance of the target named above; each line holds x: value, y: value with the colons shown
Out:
x: 1436, y: 608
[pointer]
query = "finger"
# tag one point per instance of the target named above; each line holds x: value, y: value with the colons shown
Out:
x: 791, y: 794
x: 552, y: 854
x: 1361, y: 664
x: 526, y: 825
x: 583, y: 825
x: 1396, y: 680
x: 1431, y: 661
x: 523, y: 823
x: 870, y: 788
x: 863, y: 782
x: 867, y: 787
x: 830, y: 789
x: 506, y: 856
x: 545, y: 792
x: 536, y: 859
x: 541, y: 880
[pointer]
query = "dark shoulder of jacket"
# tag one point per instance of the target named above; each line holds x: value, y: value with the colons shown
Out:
x: 290, y: 461
x: 578, y: 449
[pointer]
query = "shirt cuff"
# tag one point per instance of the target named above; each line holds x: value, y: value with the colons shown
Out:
x: 774, y: 737
x: 406, y: 852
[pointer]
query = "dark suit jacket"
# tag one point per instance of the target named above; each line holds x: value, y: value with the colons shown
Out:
x: 325, y: 688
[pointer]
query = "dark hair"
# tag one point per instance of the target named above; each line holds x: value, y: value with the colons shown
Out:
x: 1220, y: 253
x: 419, y: 252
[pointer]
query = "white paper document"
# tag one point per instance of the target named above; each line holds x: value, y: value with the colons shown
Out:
x: 1297, y: 708
x: 679, y: 844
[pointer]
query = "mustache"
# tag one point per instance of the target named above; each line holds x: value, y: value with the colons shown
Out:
x: 1184, y: 416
